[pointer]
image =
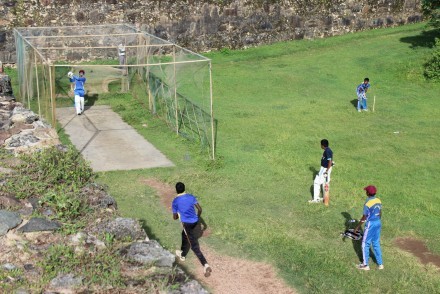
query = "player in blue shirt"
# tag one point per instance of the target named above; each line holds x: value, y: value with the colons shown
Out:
x: 78, y: 90
x: 184, y: 206
x: 371, y: 216
x: 361, y: 92
x: 323, y: 175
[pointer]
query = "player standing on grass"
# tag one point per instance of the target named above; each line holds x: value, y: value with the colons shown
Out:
x: 372, y: 217
x: 323, y: 176
x: 183, y: 206
x: 361, y: 92
x: 78, y: 90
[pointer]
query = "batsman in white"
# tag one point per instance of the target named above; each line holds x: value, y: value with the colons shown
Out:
x: 323, y: 175
x: 78, y: 90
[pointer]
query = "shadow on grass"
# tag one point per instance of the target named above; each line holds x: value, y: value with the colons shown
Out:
x: 147, y: 230
x: 354, y: 102
x: 314, y: 173
x: 199, y: 230
x: 425, y: 39
x: 357, y: 244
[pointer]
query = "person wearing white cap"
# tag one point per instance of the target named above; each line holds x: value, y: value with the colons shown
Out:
x: 121, y: 53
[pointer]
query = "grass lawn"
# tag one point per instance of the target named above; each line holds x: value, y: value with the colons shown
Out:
x: 274, y: 104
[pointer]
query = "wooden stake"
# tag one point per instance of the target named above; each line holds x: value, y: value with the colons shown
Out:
x: 374, y: 101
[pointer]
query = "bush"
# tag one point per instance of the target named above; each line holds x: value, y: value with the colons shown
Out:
x: 65, y: 203
x: 102, y: 268
x: 44, y: 170
x: 432, y: 67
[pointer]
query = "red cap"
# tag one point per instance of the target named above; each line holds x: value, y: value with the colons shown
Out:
x: 371, y: 190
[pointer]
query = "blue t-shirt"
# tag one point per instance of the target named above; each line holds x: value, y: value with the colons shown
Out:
x: 326, y: 156
x: 362, y: 87
x: 184, y: 206
x: 79, y: 83
x: 372, y: 208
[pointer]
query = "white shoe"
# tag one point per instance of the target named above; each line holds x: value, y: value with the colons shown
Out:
x: 359, y: 110
x: 319, y: 200
x: 363, y: 267
x: 380, y: 267
x: 207, y: 270
x: 179, y: 255
x: 365, y: 109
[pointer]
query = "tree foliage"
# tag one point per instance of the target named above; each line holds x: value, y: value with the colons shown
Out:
x: 431, y: 10
x: 432, y: 67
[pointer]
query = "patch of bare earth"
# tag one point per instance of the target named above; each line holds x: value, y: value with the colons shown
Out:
x: 418, y: 249
x: 229, y: 274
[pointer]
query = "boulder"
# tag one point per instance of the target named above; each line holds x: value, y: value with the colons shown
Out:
x: 149, y: 253
x: 123, y: 229
x: 65, y: 283
x: 8, y: 220
x: 37, y: 224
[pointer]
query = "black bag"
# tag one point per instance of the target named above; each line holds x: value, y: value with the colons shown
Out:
x: 352, y: 235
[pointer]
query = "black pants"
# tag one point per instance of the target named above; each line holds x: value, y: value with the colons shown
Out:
x: 190, y: 240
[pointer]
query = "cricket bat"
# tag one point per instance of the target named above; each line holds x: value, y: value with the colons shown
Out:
x: 326, y: 194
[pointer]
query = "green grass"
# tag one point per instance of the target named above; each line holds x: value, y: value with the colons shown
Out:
x: 274, y: 104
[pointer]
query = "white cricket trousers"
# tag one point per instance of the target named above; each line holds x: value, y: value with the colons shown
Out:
x: 320, y: 180
x: 79, y: 104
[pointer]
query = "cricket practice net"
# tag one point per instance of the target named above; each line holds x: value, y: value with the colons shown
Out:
x: 175, y: 83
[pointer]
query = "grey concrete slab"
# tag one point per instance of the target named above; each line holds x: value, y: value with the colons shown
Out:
x: 107, y: 142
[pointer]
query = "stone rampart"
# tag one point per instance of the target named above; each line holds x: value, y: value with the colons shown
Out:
x: 206, y: 25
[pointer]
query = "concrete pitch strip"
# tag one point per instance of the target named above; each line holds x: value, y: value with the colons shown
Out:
x: 107, y: 142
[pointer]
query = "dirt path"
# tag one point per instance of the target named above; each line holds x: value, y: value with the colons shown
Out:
x: 229, y: 275
x: 418, y: 248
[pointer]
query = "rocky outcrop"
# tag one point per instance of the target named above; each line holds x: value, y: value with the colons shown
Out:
x: 206, y: 25
x: 25, y: 239
x: 21, y: 130
x: 8, y: 220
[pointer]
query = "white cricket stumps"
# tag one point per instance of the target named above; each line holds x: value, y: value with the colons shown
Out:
x: 374, y: 101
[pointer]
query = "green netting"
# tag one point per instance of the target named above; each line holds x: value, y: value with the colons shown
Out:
x: 174, y: 82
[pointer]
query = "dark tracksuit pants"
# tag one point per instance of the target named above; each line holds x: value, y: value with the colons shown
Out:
x: 190, y: 241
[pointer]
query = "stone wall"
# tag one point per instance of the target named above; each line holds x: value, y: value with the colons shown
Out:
x: 205, y: 25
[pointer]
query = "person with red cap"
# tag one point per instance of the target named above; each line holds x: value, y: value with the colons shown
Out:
x: 372, y: 218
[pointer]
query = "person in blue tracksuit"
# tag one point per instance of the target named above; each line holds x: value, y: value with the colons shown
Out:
x: 184, y: 207
x: 372, y: 218
x: 361, y: 92
x: 78, y: 90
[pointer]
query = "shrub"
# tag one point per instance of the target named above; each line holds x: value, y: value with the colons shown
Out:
x: 41, y: 171
x: 67, y: 204
x: 432, y: 67
x: 102, y: 268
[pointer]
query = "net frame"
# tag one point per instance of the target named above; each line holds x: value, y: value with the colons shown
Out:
x: 175, y: 82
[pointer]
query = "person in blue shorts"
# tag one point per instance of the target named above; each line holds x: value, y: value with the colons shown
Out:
x: 361, y: 92
x: 184, y: 207
x: 78, y: 90
x: 372, y: 217
x: 323, y: 176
